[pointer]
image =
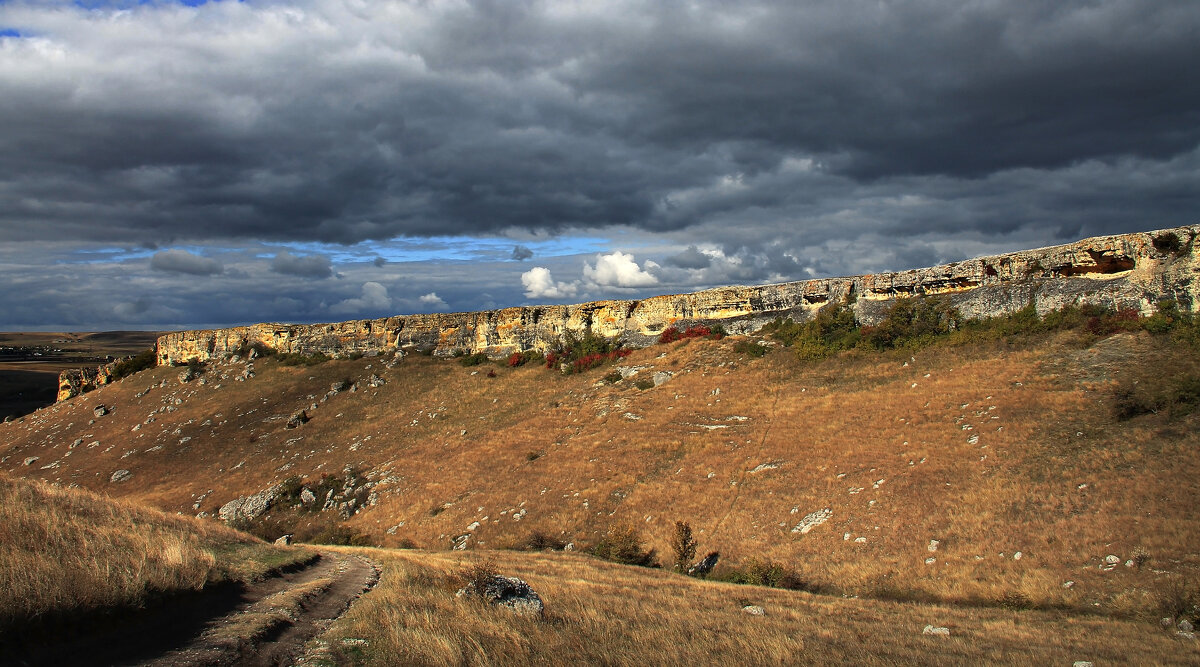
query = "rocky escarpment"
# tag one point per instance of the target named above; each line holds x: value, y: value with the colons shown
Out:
x: 1128, y: 271
x: 75, y: 381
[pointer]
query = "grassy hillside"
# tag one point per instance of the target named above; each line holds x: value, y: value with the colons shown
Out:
x: 601, y: 613
x: 933, y: 466
x: 66, y: 551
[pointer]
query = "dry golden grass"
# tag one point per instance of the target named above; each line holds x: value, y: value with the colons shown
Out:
x: 606, y: 614
x: 1052, y: 475
x: 69, y: 550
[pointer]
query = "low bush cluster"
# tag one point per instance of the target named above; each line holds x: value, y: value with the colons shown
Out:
x: 672, y: 334
x: 517, y: 359
x: 768, y: 573
x: 913, y: 323
x: 623, y: 544
x: 139, y: 362
x: 473, y: 359
x: 586, y: 353
x: 1174, y: 396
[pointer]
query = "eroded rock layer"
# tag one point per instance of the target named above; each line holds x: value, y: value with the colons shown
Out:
x: 1127, y: 271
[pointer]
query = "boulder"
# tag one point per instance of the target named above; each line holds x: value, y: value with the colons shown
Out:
x: 248, y: 508
x: 754, y: 610
x: 100, y: 411
x: 936, y: 632
x: 376, y: 381
x: 187, y: 375
x: 297, y: 419
x: 284, y: 541
x: 705, y: 566
x: 120, y: 476
x: 307, y: 497
x: 509, y: 592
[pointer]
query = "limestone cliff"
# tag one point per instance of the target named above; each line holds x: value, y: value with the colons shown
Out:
x: 1128, y: 271
x: 76, y: 381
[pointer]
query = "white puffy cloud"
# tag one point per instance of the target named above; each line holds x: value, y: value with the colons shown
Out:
x: 618, y: 269
x: 539, y: 284
x: 374, y: 298
x: 432, y: 301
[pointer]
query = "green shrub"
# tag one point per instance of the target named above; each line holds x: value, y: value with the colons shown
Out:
x: 910, y: 322
x: 764, y: 573
x: 1168, y: 242
x: 683, y: 545
x: 139, y: 362
x: 644, y: 384
x: 750, y: 348
x: 1172, y: 395
x: 582, y: 354
x: 623, y: 544
x: 301, y: 359
x: 540, y: 541
x: 341, y: 535
x: 474, y: 359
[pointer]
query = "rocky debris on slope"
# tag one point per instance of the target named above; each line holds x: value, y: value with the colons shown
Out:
x: 662, y: 377
x: 509, y: 592
x: 375, y: 381
x: 283, y: 541
x: 936, y: 631
x: 705, y: 565
x: 297, y: 419
x: 248, y: 508
x: 754, y: 610
x: 812, y: 520
x: 187, y: 375
x: 100, y: 410
x: 120, y: 476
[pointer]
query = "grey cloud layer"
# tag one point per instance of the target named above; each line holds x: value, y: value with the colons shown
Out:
x: 720, y: 142
x: 325, y: 121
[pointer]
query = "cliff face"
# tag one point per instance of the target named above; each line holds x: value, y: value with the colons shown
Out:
x: 75, y: 381
x: 1125, y: 271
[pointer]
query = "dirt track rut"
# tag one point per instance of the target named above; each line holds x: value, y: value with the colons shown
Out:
x: 278, y: 615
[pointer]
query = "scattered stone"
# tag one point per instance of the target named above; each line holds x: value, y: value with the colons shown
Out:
x: 376, y: 381
x: 120, y: 476
x: 1110, y: 563
x: 100, y: 411
x: 31, y: 460
x: 187, y: 375
x: 661, y: 377
x: 284, y: 541
x: 1185, y: 625
x: 1082, y: 663
x: 812, y: 520
x: 509, y: 592
x: 307, y: 497
x: 754, y: 610
x: 937, y: 632
x: 297, y: 419
x: 930, y: 561
x: 860, y: 540
x: 1018, y: 555
x: 933, y: 545
x: 1068, y: 584
x: 765, y: 466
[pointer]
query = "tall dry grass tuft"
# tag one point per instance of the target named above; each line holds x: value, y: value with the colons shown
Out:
x: 67, y: 550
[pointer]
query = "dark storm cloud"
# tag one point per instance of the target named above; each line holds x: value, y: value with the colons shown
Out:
x: 744, y: 142
x: 483, y: 117
x: 690, y: 258
x: 304, y: 266
x: 182, y: 261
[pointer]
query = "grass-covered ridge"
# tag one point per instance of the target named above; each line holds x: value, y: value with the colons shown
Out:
x: 65, y: 551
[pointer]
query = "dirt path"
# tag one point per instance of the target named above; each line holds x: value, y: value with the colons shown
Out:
x: 278, y: 615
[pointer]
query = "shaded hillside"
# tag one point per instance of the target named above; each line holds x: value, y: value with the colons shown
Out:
x: 990, y: 449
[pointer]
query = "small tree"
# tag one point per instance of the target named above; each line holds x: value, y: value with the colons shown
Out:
x: 684, y: 546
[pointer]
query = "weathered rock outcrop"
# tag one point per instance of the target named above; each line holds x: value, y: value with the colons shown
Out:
x: 75, y: 381
x: 1128, y: 271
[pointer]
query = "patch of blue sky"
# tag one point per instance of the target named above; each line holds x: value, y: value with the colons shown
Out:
x: 445, y: 249
x: 126, y: 4
x: 9, y: 32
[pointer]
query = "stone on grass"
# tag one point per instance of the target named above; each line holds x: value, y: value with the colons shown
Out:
x: 299, y: 417
x: 705, y: 566
x: 754, y: 610
x: 100, y: 411
x: 509, y: 592
x: 937, y: 632
x: 120, y: 476
x: 285, y: 540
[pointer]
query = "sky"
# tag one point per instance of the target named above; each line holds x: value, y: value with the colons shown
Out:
x: 195, y: 164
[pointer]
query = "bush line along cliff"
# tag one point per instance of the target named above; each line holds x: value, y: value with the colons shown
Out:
x: 1126, y: 271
